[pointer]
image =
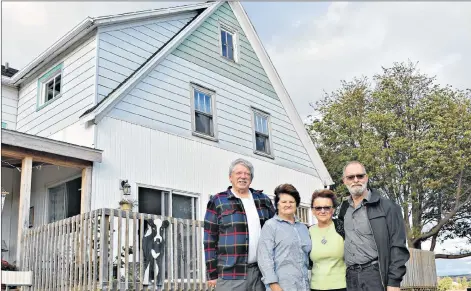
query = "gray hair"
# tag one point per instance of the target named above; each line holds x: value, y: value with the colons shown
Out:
x: 351, y: 163
x: 244, y: 163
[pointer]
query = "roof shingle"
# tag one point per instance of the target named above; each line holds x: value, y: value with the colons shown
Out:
x: 8, y: 72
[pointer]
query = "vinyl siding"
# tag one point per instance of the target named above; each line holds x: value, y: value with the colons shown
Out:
x: 203, y: 49
x: 122, y: 49
x: 78, y: 90
x: 9, y: 106
x: 152, y: 157
x: 162, y: 101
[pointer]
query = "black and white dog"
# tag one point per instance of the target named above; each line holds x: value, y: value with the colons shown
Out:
x: 153, y: 248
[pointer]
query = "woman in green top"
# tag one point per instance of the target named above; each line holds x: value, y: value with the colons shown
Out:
x: 327, y: 237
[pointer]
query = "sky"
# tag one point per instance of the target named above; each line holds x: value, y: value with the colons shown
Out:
x: 313, y: 45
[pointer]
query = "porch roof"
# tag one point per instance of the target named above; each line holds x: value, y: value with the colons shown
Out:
x: 19, y: 145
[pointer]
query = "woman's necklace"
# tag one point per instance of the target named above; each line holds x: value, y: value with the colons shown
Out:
x: 324, y: 240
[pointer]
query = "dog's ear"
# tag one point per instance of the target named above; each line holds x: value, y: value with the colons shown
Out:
x: 165, y: 224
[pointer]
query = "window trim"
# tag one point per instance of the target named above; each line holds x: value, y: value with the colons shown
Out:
x: 212, y: 94
x: 235, y: 41
x: 43, y: 80
x: 271, y: 154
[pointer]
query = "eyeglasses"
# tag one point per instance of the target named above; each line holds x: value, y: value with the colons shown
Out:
x: 358, y: 176
x: 319, y: 208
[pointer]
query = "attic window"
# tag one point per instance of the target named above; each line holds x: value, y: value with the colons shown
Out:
x: 50, y: 86
x: 262, y: 137
x: 228, y: 43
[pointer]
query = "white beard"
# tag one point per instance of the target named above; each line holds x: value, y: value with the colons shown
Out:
x: 356, y: 191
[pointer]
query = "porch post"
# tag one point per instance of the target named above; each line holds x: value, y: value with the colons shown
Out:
x: 86, y: 192
x: 23, y: 211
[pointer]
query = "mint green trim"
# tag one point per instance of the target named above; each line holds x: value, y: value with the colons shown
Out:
x: 41, y: 81
x: 4, y: 124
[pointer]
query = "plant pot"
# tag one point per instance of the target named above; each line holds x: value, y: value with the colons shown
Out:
x: 126, y: 206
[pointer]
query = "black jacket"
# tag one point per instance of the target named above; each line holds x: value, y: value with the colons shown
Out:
x: 389, y: 233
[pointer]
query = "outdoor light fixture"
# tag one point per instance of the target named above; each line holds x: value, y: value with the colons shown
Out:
x: 125, y: 187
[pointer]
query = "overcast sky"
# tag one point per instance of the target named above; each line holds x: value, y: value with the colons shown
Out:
x: 313, y: 45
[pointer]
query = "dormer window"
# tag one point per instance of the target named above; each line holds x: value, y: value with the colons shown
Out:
x: 228, y: 42
x: 50, y: 86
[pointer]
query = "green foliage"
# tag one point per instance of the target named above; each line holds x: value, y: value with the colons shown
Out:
x: 413, y: 136
x: 444, y: 284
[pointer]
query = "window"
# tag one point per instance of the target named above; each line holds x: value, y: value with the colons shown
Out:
x: 167, y: 203
x: 50, y: 86
x: 64, y: 200
x: 203, y: 113
x: 262, y: 139
x: 303, y: 214
x: 228, y: 42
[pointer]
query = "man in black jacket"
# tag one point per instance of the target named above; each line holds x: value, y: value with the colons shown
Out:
x: 375, y: 235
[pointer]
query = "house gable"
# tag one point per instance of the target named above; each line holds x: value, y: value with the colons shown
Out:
x: 158, y: 94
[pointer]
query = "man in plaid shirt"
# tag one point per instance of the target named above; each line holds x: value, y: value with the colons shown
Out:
x: 232, y: 217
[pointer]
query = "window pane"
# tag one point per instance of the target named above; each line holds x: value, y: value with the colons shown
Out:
x: 207, y: 102
x: 230, y: 47
x: 261, y: 143
x: 49, y: 90
x: 261, y: 124
x: 203, y: 124
x: 150, y: 201
x: 182, y: 207
x: 57, y: 86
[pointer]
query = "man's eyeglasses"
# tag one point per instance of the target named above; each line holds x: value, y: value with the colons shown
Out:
x: 319, y: 208
x: 358, y: 176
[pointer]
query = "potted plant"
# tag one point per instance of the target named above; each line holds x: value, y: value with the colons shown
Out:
x: 127, y: 204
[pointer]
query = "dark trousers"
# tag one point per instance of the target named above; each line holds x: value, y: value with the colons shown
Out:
x: 364, y: 278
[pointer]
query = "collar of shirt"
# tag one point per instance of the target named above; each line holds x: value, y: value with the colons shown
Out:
x: 365, y: 199
x: 296, y: 219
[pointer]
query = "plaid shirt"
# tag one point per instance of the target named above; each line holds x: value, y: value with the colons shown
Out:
x: 226, y: 233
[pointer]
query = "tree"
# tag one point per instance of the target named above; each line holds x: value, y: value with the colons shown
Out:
x: 414, y: 137
x: 445, y: 284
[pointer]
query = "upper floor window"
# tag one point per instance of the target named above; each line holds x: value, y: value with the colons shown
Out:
x: 50, y: 86
x: 228, y: 42
x: 203, y: 113
x: 262, y: 137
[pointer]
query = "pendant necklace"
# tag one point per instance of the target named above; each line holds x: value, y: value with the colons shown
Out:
x: 324, y: 240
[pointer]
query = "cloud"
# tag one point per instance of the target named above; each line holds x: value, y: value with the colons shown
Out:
x: 355, y: 39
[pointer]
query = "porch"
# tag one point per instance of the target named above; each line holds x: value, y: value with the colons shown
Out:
x: 43, y: 180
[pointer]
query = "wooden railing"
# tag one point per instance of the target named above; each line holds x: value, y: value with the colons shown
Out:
x: 421, y: 272
x: 102, y: 250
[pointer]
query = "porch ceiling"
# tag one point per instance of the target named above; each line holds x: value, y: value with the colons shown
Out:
x: 17, y: 145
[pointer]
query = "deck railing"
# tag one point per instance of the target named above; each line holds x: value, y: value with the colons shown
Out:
x: 102, y: 250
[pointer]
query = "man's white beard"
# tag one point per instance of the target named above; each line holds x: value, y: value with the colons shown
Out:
x: 357, y: 191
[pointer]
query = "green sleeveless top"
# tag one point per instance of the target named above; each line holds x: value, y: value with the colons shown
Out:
x: 329, y: 269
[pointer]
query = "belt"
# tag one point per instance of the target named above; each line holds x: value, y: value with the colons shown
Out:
x: 251, y: 265
x: 363, y: 266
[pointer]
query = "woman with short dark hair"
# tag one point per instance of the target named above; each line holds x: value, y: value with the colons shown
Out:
x: 284, y: 245
x: 327, y: 237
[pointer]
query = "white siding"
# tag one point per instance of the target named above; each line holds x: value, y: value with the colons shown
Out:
x: 78, y: 90
x: 42, y: 178
x: 9, y: 106
x: 151, y: 157
x: 78, y: 133
x: 162, y: 101
x: 123, y: 48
